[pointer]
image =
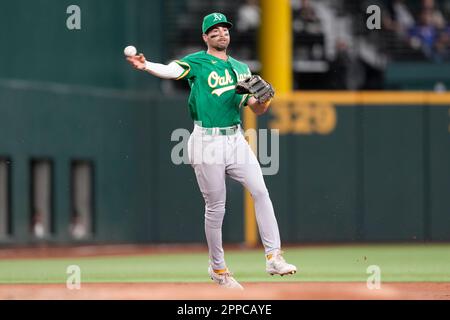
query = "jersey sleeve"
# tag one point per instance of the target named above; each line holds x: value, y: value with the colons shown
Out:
x: 244, y: 100
x: 191, y: 67
x: 247, y: 96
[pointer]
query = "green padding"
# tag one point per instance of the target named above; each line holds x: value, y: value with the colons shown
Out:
x: 417, y: 75
x: 439, y: 176
x: 393, y: 173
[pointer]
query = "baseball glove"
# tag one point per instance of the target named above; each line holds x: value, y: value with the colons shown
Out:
x: 258, y: 87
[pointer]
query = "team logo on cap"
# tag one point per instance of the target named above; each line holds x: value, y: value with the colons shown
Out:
x: 218, y: 17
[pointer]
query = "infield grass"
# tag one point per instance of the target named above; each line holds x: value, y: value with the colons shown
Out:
x: 398, y: 263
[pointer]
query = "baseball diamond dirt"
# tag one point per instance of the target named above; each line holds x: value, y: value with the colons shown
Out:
x: 209, y: 291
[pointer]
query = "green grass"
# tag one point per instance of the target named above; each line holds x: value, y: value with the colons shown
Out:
x: 430, y: 262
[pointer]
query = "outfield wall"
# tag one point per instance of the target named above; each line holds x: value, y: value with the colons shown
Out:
x: 352, y: 166
x: 363, y: 166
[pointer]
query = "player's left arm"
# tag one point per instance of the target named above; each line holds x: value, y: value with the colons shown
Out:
x: 258, y: 107
x: 260, y: 91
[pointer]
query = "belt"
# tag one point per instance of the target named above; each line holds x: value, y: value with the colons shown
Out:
x: 225, y: 131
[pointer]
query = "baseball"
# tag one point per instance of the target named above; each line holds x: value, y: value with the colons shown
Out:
x: 130, y: 51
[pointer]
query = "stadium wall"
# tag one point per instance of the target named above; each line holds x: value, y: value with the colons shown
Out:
x: 352, y: 166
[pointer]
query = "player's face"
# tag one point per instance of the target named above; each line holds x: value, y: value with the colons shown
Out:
x: 218, y: 38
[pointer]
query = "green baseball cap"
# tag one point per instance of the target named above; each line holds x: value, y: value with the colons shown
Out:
x: 213, y: 19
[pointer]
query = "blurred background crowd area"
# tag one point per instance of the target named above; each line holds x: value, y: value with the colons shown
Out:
x: 333, y: 48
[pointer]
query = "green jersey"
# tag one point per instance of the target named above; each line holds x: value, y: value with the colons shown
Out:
x: 213, y: 100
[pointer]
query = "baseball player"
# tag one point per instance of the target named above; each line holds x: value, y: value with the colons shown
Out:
x: 220, y: 87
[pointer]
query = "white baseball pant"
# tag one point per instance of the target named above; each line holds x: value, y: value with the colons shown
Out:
x: 213, y: 156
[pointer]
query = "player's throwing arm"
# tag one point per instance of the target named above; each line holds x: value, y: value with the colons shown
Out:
x: 170, y: 71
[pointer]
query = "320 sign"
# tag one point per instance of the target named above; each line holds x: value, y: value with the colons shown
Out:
x: 293, y: 117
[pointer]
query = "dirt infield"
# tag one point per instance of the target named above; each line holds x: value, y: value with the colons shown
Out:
x: 209, y: 291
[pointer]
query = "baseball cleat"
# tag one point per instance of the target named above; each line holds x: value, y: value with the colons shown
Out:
x: 275, y: 264
x: 224, y: 278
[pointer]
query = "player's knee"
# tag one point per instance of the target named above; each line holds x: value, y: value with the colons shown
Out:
x: 214, y: 211
x: 215, y: 207
x: 215, y: 200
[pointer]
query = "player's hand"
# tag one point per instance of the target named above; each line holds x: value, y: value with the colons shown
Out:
x: 137, y: 61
